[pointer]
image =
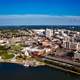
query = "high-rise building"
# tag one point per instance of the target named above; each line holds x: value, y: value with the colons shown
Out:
x: 72, y: 46
x: 49, y: 32
x: 66, y: 44
x: 78, y: 47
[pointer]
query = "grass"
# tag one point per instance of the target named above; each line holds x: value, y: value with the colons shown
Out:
x: 3, y: 50
x: 17, y: 47
x: 7, y: 56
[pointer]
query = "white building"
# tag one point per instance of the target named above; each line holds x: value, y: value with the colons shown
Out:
x: 78, y: 47
x: 66, y: 44
x: 25, y: 50
x: 77, y: 55
x: 49, y: 32
x: 39, y: 31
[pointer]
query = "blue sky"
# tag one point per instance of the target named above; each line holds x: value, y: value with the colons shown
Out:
x: 39, y: 12
x: 48, y: 7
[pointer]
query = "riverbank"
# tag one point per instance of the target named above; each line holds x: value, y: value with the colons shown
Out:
x: 26, y: 63
x: 56, y: 65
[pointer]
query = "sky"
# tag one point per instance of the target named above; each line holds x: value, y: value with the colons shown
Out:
x: 40, y: 12
x: 48, y: 7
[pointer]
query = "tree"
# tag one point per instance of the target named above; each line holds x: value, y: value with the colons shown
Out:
x: 70, y: 54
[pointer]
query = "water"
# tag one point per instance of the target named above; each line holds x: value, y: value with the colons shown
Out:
x: 19, y: 72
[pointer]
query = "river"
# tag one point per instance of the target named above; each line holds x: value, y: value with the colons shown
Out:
x: 10, y: 71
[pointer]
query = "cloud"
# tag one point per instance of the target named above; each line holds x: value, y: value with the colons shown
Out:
x: 39, y: 20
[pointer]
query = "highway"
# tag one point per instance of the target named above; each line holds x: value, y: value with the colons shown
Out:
x: 63, y: 60
x: 62, y: 64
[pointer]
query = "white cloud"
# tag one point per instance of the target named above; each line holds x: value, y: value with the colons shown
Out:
x: 39, y: 20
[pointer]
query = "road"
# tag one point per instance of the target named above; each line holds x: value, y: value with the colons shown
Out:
x: 63, y: 60
x: 63, y: 64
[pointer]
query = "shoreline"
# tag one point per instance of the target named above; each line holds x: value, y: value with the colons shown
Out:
x: 53, y: 66
x: 11, y: 62
x: 23, y: 63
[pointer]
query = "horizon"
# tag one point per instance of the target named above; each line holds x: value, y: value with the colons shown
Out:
x: 38, y: 19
